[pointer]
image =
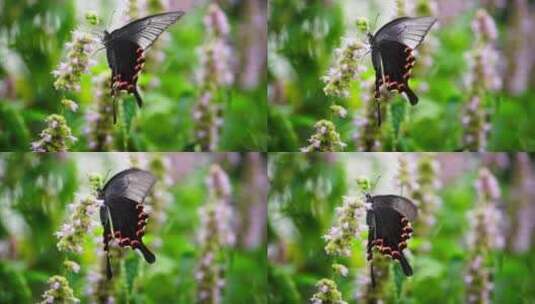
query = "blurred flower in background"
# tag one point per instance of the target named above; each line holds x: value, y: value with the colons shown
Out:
x: 214, y: 74
x: 486, y: 234
x: 214, y: 235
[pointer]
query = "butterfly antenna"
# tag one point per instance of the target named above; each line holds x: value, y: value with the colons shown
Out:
x: 111, y: 18
x: 95, y: 52
x: 107, y: 174
x: 375, y: 21
x: 109, y: 274
x: 97, y: 33
x: 374, y: 184
x: 114, y: 110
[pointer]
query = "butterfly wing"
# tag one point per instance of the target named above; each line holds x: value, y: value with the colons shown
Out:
x: 125, y: 48
x: 145, y: 31
x: 122, y: 214
x: 388, y: 226
x: 392, y: 53
x: 393, y: 62
x: 405, y: 30
x: 392, y: 230
x: 126, y: 223
x: 399, y: 203
x: 133, y: 184
x: 125, y: 59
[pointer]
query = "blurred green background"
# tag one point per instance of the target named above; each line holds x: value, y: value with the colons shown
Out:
x: 32, y: 39
x: 36, y: 189
x: 304, y: 34
x: 306, y: 189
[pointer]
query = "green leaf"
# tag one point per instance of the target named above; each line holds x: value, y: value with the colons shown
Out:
x: 399, y: 278
x: 131, y: 267
x: 14, y: 286
x: 15, y: 135
x: 398, y: 115
x: 129, y: 108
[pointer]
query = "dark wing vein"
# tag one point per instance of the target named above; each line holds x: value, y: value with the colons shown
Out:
x: 146, y: 30
x: 409, y: 31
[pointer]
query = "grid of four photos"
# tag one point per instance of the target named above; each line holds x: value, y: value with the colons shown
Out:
x: 267, y: 151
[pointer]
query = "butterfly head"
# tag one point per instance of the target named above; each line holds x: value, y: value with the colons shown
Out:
x: 106, y: 37
x: 100, y: 194
x: 101, y: 185
x: 370, y: 38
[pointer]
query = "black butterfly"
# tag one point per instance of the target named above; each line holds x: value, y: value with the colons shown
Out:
x: 392, y: 54
x: 122, y: 213
x: 389, y: 227
x: 125, y: 48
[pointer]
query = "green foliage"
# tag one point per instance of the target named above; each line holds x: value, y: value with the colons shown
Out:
x: 131, y: 266
x: 16, y: 134
x: 282, y: 288
x: 14, y: 286
x: 304, y: 187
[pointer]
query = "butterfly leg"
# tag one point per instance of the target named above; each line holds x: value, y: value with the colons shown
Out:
x: 138, y: 97
x: 115, y: 85
x: 372, y: 275
x: 371, y: 242
x: 106, y: 239
x: 378, y: 83
x: 378, y: 113
x: 114, y: 110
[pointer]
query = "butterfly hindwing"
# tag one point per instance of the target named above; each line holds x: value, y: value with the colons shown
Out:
x: 122, y: 214
x: 389, y: 227
x: 126, y: 59
x: 393, y: 62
